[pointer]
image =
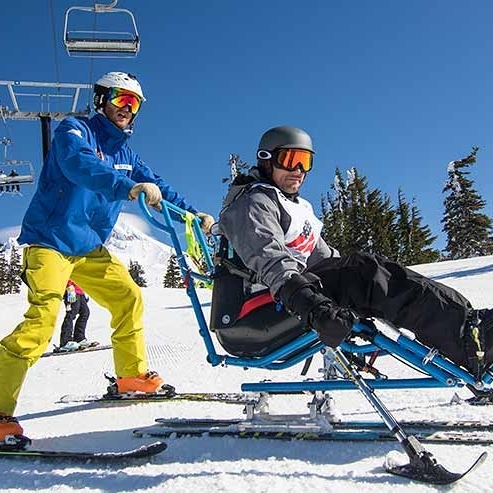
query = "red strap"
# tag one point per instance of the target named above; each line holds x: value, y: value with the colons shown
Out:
x: 255, y: 302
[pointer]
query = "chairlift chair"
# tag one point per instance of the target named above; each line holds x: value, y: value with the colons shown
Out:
x: 101, y: 43
x: 24, y: 175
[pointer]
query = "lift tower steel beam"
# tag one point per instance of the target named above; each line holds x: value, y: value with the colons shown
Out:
x: 65, y: 94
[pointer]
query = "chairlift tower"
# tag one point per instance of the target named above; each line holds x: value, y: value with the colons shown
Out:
x: 66, y: 94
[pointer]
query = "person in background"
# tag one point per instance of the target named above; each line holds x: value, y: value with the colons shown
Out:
x: 88, y: 174
x: 15, y: 186
x: 73, y: 337
x: 277, y: 236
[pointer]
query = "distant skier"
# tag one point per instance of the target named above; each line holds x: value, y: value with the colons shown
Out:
x: 15, y: 185
x: 73, y: 337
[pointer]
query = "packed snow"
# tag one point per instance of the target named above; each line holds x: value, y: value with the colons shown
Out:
x: 207, y: 464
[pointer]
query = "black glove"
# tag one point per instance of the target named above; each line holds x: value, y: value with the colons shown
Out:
x: 301, y: 295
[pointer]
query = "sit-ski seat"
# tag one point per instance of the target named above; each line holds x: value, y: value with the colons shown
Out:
x: 247, y: 325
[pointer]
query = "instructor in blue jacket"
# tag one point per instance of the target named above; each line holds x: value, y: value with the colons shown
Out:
x: 89, y: 171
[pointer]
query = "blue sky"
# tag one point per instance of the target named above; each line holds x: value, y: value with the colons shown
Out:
x: 397, y: 89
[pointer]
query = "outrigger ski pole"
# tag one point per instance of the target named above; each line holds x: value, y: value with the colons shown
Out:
x: 422, y: 465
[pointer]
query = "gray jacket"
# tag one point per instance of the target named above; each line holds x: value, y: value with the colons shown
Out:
x: 254, y: 223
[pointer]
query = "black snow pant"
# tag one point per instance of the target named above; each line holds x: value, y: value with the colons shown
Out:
x: 373, y: 286
x: 79, y: 310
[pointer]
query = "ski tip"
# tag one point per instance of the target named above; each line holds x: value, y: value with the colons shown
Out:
x: 426, y: 471
x: 151, y: 449
x: 479, y: 460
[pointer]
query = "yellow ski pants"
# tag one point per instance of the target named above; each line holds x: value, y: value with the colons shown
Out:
x: 105, y: 279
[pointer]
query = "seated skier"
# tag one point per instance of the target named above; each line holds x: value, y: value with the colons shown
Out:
x: 276, y: 235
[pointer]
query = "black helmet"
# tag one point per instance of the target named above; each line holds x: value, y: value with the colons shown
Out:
x: 285, y: 137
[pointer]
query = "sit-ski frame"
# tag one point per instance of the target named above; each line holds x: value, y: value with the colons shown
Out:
x: 340, y: 373
x: 442, y: 372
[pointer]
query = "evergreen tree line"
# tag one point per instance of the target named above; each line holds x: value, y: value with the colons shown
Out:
x: 11, y: 268
x: 358, y: 218
x: 172, y: 277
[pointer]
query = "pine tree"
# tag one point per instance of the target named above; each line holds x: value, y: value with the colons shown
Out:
x: 172, y: 277
x: 137, y: 273
x: 236, y: 166
x: 358, y: 219
x: 380, y: 222
x: 4, y: 274
x: 358, y: 236
x: 469, y: 232
x: 413, y: 239
x: 15, y: 269
x: 334, y: 215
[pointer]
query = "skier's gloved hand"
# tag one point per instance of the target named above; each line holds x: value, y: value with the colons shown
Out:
x: 206, y: 222
x: 152, y: 193
x: 301, y: 296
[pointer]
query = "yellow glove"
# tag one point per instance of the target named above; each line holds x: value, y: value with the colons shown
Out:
x: 152, y: 193
x: 206, y: 222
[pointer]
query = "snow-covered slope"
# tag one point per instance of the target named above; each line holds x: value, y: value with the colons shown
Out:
x: 128, y: 242
x: 205, y: 464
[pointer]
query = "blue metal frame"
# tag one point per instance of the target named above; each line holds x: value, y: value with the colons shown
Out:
x: 442, y: 372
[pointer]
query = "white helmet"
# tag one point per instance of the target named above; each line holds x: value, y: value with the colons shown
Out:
x: 121, y: 80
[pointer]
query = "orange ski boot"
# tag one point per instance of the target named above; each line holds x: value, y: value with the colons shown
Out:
x: 11, y: 432
x: 149, y: 382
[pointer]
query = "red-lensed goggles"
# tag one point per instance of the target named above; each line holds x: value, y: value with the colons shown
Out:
x: 290, y: 159
x: 122, y: 98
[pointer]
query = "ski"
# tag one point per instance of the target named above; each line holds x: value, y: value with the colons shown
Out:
x: 7, y: 451
x: 88, y: 349
x: 224, y: 397
x: 451, y: 425
x: 350, y: 431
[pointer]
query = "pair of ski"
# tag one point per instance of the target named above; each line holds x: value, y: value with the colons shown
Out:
x: 458, y: 432
x: 423, y: 467
x: 94, y: 346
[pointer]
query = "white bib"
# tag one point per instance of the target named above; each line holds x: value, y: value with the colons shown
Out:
x: 304, y: 230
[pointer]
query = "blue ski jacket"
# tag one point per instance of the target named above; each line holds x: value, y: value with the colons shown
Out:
x: 88, y: 172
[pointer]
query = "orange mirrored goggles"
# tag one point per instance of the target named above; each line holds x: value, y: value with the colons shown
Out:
x: 122, y: 98
x: 290, y: 159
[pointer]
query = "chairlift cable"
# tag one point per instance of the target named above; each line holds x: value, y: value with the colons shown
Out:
x: 55, y: 43
x: 91, y: 64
